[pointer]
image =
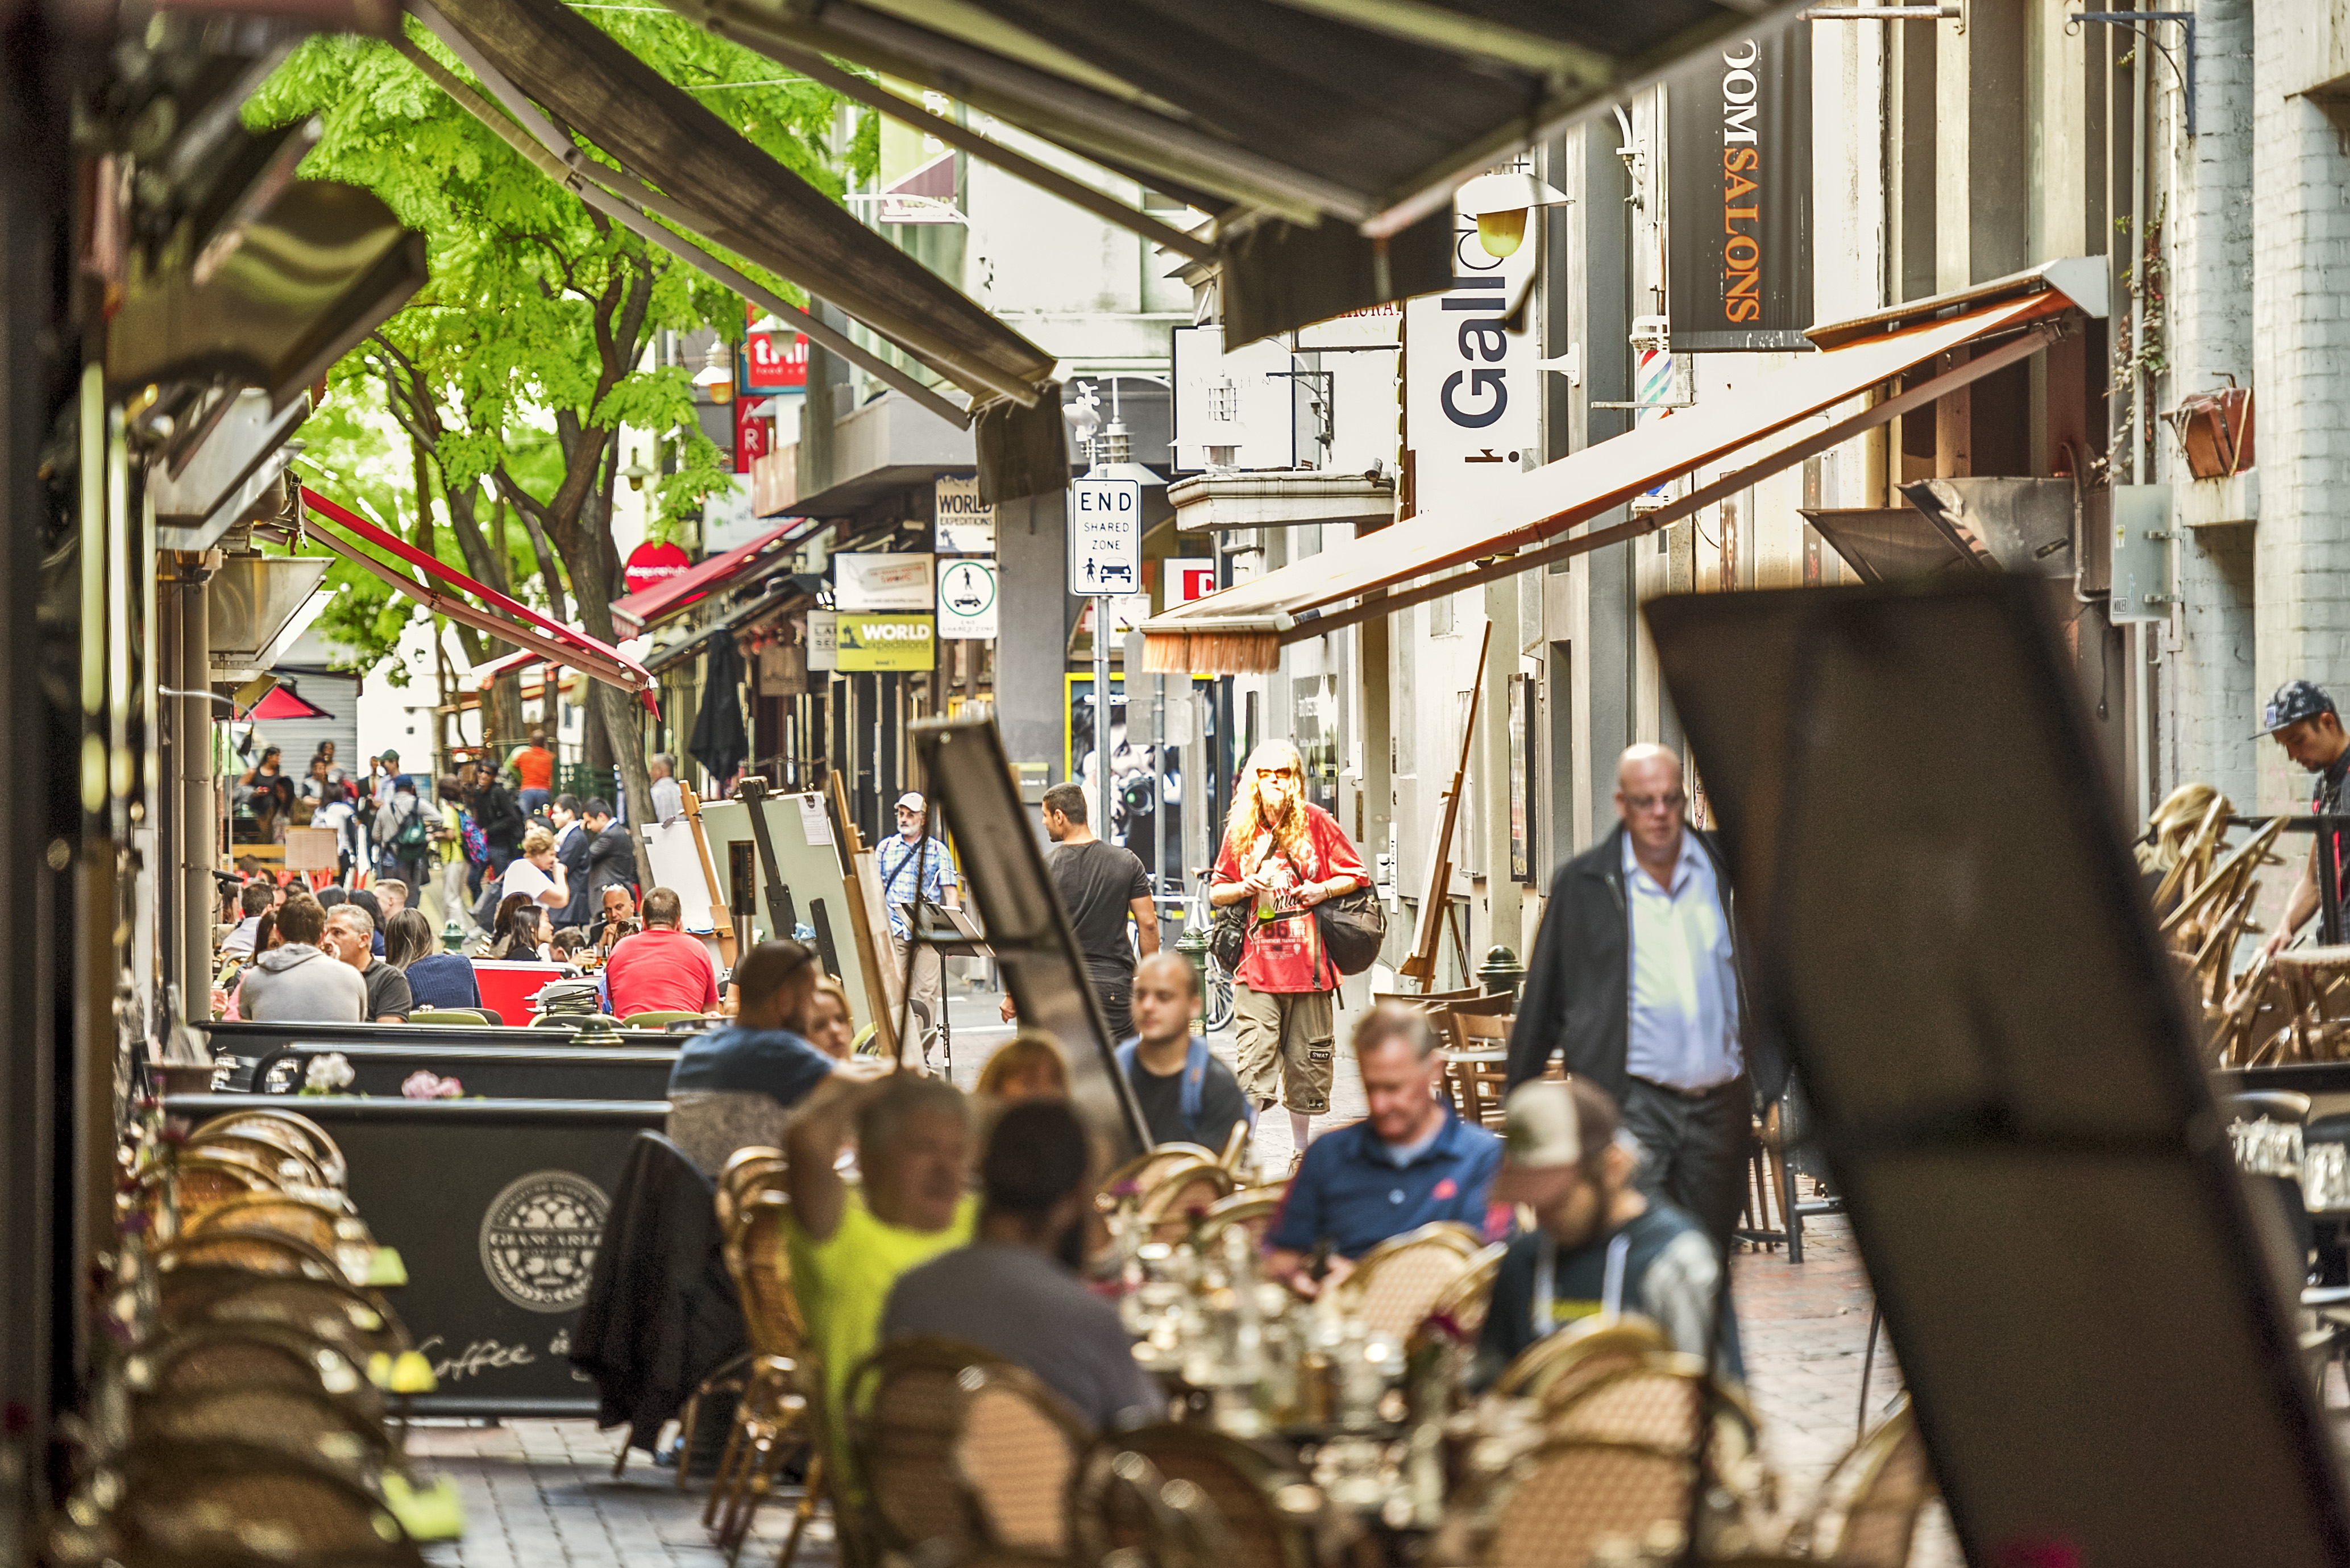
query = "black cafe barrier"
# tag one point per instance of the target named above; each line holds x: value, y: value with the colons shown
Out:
x: 496, y: 1208
x: 531, y: 1073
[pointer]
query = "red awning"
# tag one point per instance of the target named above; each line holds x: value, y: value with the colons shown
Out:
x: 284, y: 702
x: 505, y: 617
x: 707, y: 576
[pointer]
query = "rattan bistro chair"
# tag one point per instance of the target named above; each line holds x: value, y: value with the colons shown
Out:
x: 272, y: 1214
x: 1458, y: 1309
x: 770, y: 1418
x: 222, y: 1504
x: 222, y: 1358
x: 1585, y: 1350
x: 1865, y: 1514
x: 1134, y: 1181
x: 256, y: 1252
x: 1399, y: 1280
x: 1572, y: 1496
x: 355, y: 1322
x: 315, y: 1140
x: 277, y: 1148
x: 1253, y: 1209
x: 1260, y: 1513
x: 298, y: 1421
x: 1183, y: 1197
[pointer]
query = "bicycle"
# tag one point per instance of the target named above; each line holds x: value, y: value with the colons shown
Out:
x: 1215, y: 980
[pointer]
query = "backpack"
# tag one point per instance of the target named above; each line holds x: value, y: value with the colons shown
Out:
x: 407, y: 841
x: 475, y: 843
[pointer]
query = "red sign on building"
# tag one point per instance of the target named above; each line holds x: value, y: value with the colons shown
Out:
x: 754, y: 437
x: 650, y: 565
x: 777, y: 360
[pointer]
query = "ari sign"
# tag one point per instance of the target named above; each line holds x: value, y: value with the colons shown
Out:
x: 886, y: 642
x: 1739, y: 144
x: 1104, y: 537
x: 967, y: 598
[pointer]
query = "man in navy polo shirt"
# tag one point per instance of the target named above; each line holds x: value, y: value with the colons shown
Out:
x: 1410, y: 1162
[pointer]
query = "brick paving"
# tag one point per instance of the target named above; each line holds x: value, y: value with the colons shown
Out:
x: 542, y: 1493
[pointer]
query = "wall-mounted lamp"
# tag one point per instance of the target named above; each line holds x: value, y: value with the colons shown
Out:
x: 1499, y: 204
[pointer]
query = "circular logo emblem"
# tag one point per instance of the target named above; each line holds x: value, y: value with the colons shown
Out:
x: 539, y: 1238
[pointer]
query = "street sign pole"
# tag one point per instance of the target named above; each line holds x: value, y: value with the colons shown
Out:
x: 1101, y: 716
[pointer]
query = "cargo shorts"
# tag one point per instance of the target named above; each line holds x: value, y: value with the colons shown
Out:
x: 1284, y: 1047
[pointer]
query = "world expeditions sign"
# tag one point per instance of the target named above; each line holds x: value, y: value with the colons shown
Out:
x: 1738, y: 150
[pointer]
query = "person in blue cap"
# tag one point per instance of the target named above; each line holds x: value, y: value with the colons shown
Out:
x: 2303, y: 720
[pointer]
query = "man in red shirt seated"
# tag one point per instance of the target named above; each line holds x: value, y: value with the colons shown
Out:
x: 660, y: 969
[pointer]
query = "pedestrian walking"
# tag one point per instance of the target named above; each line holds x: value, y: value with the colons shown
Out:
x: 403, y: 834
x: 534, y: 767
x: 915, y: 869
x: 1101, y: 886
x: 1284, y: 855
x: 1635, y: 982
x: 2303, y: 720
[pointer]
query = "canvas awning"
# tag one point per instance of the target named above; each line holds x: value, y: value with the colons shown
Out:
x: 1318, y: 130
x: 1769, y: 424
x: 721, y: 186
x: 504, y: 617
x: 710, y: 575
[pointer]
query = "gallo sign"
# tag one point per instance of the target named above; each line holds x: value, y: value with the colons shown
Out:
x: 868, y: 642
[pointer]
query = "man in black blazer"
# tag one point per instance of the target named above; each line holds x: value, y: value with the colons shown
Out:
x: 611, y: 862
x: 1635, y: 982
x: 571, y: 847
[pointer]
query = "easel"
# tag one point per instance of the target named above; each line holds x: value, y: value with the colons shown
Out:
x: 881, y: 979
x: 1437, y: 914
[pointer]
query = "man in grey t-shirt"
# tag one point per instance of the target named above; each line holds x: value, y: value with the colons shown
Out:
x: 1014, y: 1290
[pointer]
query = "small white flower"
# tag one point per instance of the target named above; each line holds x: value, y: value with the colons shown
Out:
x: 328, y: 1072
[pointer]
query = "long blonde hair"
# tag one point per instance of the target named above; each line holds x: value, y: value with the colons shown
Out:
x: 1246, y: 821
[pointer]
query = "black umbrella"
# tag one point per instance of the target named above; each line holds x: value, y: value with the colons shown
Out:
x: 720, y: 744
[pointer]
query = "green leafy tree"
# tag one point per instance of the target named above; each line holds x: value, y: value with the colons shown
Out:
x: 514, y: 368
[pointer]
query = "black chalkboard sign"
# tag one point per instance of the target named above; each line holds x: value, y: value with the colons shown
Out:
x: 496, y: 1208
x: 539, y: 1073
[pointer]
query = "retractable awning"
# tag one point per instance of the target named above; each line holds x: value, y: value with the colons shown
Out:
x: 1305, y: 120
x: 716, y: 184
x: 1766, y: 426
x: 671, y: 596
x: 504, y: 618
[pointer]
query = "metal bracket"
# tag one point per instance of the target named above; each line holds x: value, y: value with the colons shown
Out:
x: 2186, y: 20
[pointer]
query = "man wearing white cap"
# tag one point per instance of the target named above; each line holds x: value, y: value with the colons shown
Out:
x: 916, y: 870
x: 1599, y: 1245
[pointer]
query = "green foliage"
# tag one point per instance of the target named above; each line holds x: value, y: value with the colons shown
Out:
x: 528, y: 341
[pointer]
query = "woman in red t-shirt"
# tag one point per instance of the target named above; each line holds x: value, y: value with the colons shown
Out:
x: 1287, y: 856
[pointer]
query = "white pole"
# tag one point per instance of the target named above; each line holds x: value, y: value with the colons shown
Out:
x: 1101, y: 714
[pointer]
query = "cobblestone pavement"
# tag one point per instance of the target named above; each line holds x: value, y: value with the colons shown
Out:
x: 541, y: 1492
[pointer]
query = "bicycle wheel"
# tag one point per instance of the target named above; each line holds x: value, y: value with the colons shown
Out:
x: 1216, y: 1004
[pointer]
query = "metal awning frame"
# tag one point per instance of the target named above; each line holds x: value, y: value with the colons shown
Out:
x: 1989, y: 355
x: 506, y: 618
x: 629, y: 202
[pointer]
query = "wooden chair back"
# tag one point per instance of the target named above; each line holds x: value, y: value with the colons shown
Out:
x: 1399, y: 1280
x: 1478, y: 1086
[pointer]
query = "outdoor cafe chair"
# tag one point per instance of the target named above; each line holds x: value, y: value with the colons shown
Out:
x: 1125, y: 1506
x: 455, y: 1017
x: 1458, y: 1309
x: 1401, y: 1278
x: 1476, y: 1065
x: 1132, y: 1181
x: 1018, y: 1453
x: 162, y: 1504
x: 1581, y: 1350
x: 298, y: 1421
x: 272, y: 1214
x: 1662, y: 1400
x: 904, y: 1407
x: 212, y: 1357
x: 1253, y: 1209
x: 201, y: 1181
x: 774, y: 1395
x: 316, y: 1141
x: 1425, y: 1000
x: 746, y: 1171
x: 342, y: 1315
x: 662, y: 1017
x: 1573, y: 1495
x: 256, y: 1252
x: 1260, y: 1513
x: 1866, y: 1512
x: 278, y: 1149
x: 1183, y: 1192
